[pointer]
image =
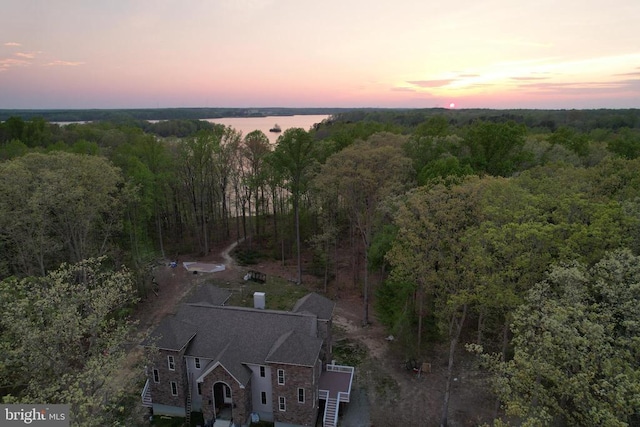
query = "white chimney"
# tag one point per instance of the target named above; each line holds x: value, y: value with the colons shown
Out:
x: 258, y: 300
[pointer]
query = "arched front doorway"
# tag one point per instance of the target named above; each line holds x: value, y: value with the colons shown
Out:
x: 222, y: 401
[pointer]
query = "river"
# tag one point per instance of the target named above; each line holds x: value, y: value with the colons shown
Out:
x: 249, y: 124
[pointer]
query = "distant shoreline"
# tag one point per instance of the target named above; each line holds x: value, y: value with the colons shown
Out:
x: 123, y: 114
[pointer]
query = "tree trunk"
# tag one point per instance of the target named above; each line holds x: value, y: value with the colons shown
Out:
x: 420, y: 314
x: 452, y: 348
x: 296, y: 208
x: 505, y: 338
x: 326, y: 265
x: 159, y: 228
x: 480, y: 324
x: 275, y: 215
x: 365, y: 320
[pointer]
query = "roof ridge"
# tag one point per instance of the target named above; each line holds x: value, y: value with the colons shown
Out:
x: 276, y: 345
x: 251, y: 309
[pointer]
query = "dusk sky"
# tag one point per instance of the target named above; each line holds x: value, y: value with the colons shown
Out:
x: 331, y: 53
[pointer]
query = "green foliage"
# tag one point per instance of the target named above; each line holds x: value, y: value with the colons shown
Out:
x: 349, y: 353
x: 340, y: 134
x: 58, y: 207
x: 381, y: 244
x: 66, y: 325
x: 12, y: 149
x: 432, y: 127
x: 570, y: 139
x: 495, y: 148
x: 247, y: 255
x: 626, y: 143
x: 576, y: 347
x: 292, y: 160
x: 443, y: 168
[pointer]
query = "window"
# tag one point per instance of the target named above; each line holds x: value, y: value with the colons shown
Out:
x: 300, y: 395
x: 174, y: 388
x: 263, y: 397
x: 281, y: 376
x: 263, y: 372
x: 171, y: 363
x: 156, y: 376
x: 227, y: 392
x: 197, y: 362
x: 199, y: 389
x: 282, y: 404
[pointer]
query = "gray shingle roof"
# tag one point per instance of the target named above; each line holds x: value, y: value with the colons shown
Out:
x: 208, y: 294
x: 171, y: 334
x: 237, y: 336
x: 294, y: 348
x: 315, y: 304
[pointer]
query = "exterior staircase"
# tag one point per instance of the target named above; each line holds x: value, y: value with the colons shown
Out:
x: 330, y: 413
x: 146, y: 396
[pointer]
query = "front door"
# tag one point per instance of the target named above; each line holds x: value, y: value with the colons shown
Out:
x: 222, y: 400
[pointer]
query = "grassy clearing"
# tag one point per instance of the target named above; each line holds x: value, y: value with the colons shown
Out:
x: 348, y: 352
x: 280, y: 294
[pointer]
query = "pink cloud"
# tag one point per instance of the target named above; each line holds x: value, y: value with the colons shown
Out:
x: 432, y: 83
x: 7, y: 63
x: 64, y: 63
x: 528, y: 78
x: 402, y: 89
x: 28, y: 55
x: 12, y: 44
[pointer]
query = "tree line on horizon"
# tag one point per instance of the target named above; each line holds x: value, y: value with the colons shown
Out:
x: 458, y: 225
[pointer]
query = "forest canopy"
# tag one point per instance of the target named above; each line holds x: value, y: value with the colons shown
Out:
x: 455, y: 225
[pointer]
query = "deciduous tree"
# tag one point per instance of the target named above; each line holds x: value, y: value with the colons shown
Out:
x: 576, y: 347
x: 293, y: 158
x: 363, y: 176
x: 62, y: 338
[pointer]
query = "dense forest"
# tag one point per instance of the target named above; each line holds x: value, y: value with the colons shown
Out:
x: 513, y: 233
x: 143, y: 114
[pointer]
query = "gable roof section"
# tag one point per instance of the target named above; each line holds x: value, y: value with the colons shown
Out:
x: 207, y: 294
x: 171, y: 334
x: 315, y: 304
x: 294, y: 348
x: 239, y: 372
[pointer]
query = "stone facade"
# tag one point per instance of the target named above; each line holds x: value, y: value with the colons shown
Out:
x: 241, y: 397
x: 161, y: 391
x: 295, y: 377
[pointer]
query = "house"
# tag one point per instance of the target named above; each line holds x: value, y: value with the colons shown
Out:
x: 246, y: 363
